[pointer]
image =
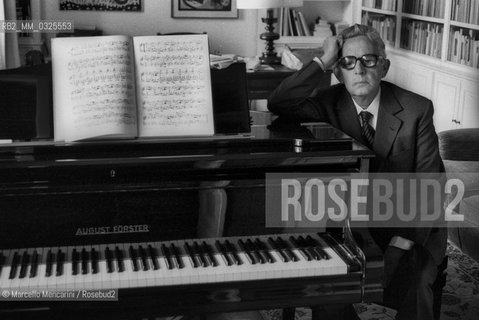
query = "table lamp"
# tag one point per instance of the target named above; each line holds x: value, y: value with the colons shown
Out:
x: 269, y: 57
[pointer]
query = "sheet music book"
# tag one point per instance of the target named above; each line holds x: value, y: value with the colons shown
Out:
x: 127, y: 87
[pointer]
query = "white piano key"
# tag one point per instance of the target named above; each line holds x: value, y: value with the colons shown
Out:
x: 5, y: 282
x: 15, y: 282
x: 105, y: 276
x: 42, y: 266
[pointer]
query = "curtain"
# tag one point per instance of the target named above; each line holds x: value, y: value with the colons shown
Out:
x: 9, y: 53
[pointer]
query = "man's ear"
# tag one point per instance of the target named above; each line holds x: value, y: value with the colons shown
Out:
x: 386, y: 65
x: 337, y: 72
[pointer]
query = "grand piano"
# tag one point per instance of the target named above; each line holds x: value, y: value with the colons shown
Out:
x: 177, y: 225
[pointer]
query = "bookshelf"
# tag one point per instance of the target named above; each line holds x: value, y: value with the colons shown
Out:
x: 433, y: 46
x: 439, y: 29
x: 29, y: 10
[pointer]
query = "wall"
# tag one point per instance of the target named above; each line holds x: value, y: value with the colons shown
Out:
x: 226, y: 35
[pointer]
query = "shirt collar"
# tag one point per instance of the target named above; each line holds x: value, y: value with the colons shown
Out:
x: 373, y: 108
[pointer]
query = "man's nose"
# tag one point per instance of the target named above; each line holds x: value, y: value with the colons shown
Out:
x: 359, y: 68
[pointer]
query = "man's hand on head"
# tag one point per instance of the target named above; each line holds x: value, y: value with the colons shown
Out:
x: 331, y: 51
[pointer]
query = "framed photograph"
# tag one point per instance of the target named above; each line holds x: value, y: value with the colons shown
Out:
x: 204, y: 9
x: 103, y: 5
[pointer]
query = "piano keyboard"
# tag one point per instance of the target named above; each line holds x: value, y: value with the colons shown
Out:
x: 181, y: 262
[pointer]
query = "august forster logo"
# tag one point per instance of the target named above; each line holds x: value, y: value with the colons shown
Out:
x: 372, y: 200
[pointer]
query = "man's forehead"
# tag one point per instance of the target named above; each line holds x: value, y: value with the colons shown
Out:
x: 359, y: 43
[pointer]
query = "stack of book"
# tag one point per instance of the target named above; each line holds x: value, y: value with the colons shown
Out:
x: 322, y: 28
x: 465, y: 11
x: 292, y: 23
x: 464, y: 47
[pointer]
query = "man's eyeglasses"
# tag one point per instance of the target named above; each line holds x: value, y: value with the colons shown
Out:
x: 367, y: 60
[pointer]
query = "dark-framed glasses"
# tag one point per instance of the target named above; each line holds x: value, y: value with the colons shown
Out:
x: 367, y: 60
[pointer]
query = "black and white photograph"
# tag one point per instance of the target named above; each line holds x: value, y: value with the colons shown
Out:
x: 239, y: 159
x: 103, y: 5
x: 204, y: 9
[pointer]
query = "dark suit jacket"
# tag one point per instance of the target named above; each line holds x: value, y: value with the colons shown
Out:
x: 405, y: 139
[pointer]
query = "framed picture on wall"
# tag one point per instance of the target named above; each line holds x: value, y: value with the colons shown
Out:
x: 104, y: 5
x: 204, y: 9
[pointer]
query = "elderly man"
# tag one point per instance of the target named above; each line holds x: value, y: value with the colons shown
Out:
x: 398, y: 126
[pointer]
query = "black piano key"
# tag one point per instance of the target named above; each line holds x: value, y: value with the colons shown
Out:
x: 154, y: 257
x: 2, y: 262
x: 134, y: 258
x: 274, y: 245
x: 166, y: 253
x: 109, y: 260
x: 264, y: 251
x: 143, y: 258
x: 177, y: 256
x: 120, y: 259
x: 308, y: 248
x: 14, y: 266
x: 95, y: 260
x: 25, y: 263
x: 284, y: 245
x: 49, y: 266
x: 254, y: 251
x: 249, y: 255
x: 301, y: 250
x: 224, y: 253
x: 209, y: 252
x: 75, y: 261
x: 85, y: 259
x: 34, y: 265
x: 193, y: 258
x: 318, y: 247
x: 199, y: 252
x: 60, y: 261
x: 233, y: 252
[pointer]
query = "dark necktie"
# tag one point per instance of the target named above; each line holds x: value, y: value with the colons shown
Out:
x: 366, y: 129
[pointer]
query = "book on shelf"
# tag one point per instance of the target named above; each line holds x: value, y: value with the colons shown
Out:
x: 386, y: 26
x: 127, y: 87
x: 464, y: 47
x: 466, y: 11
x: 429, y: 8
x: 422, y: 37
x: 292, y: 23
x: 380, y: 4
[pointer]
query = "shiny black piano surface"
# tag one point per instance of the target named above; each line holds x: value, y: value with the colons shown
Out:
x: 63, y: 194
x: 49, y: 190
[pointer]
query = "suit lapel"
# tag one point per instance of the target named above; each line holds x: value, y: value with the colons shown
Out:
x: 387, y: 125
x: 348, y: 117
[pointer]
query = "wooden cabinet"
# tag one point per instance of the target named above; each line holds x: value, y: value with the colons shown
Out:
x: 454, y: 93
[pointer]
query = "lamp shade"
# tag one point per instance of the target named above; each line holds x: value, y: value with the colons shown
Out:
x: 267, y: 4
